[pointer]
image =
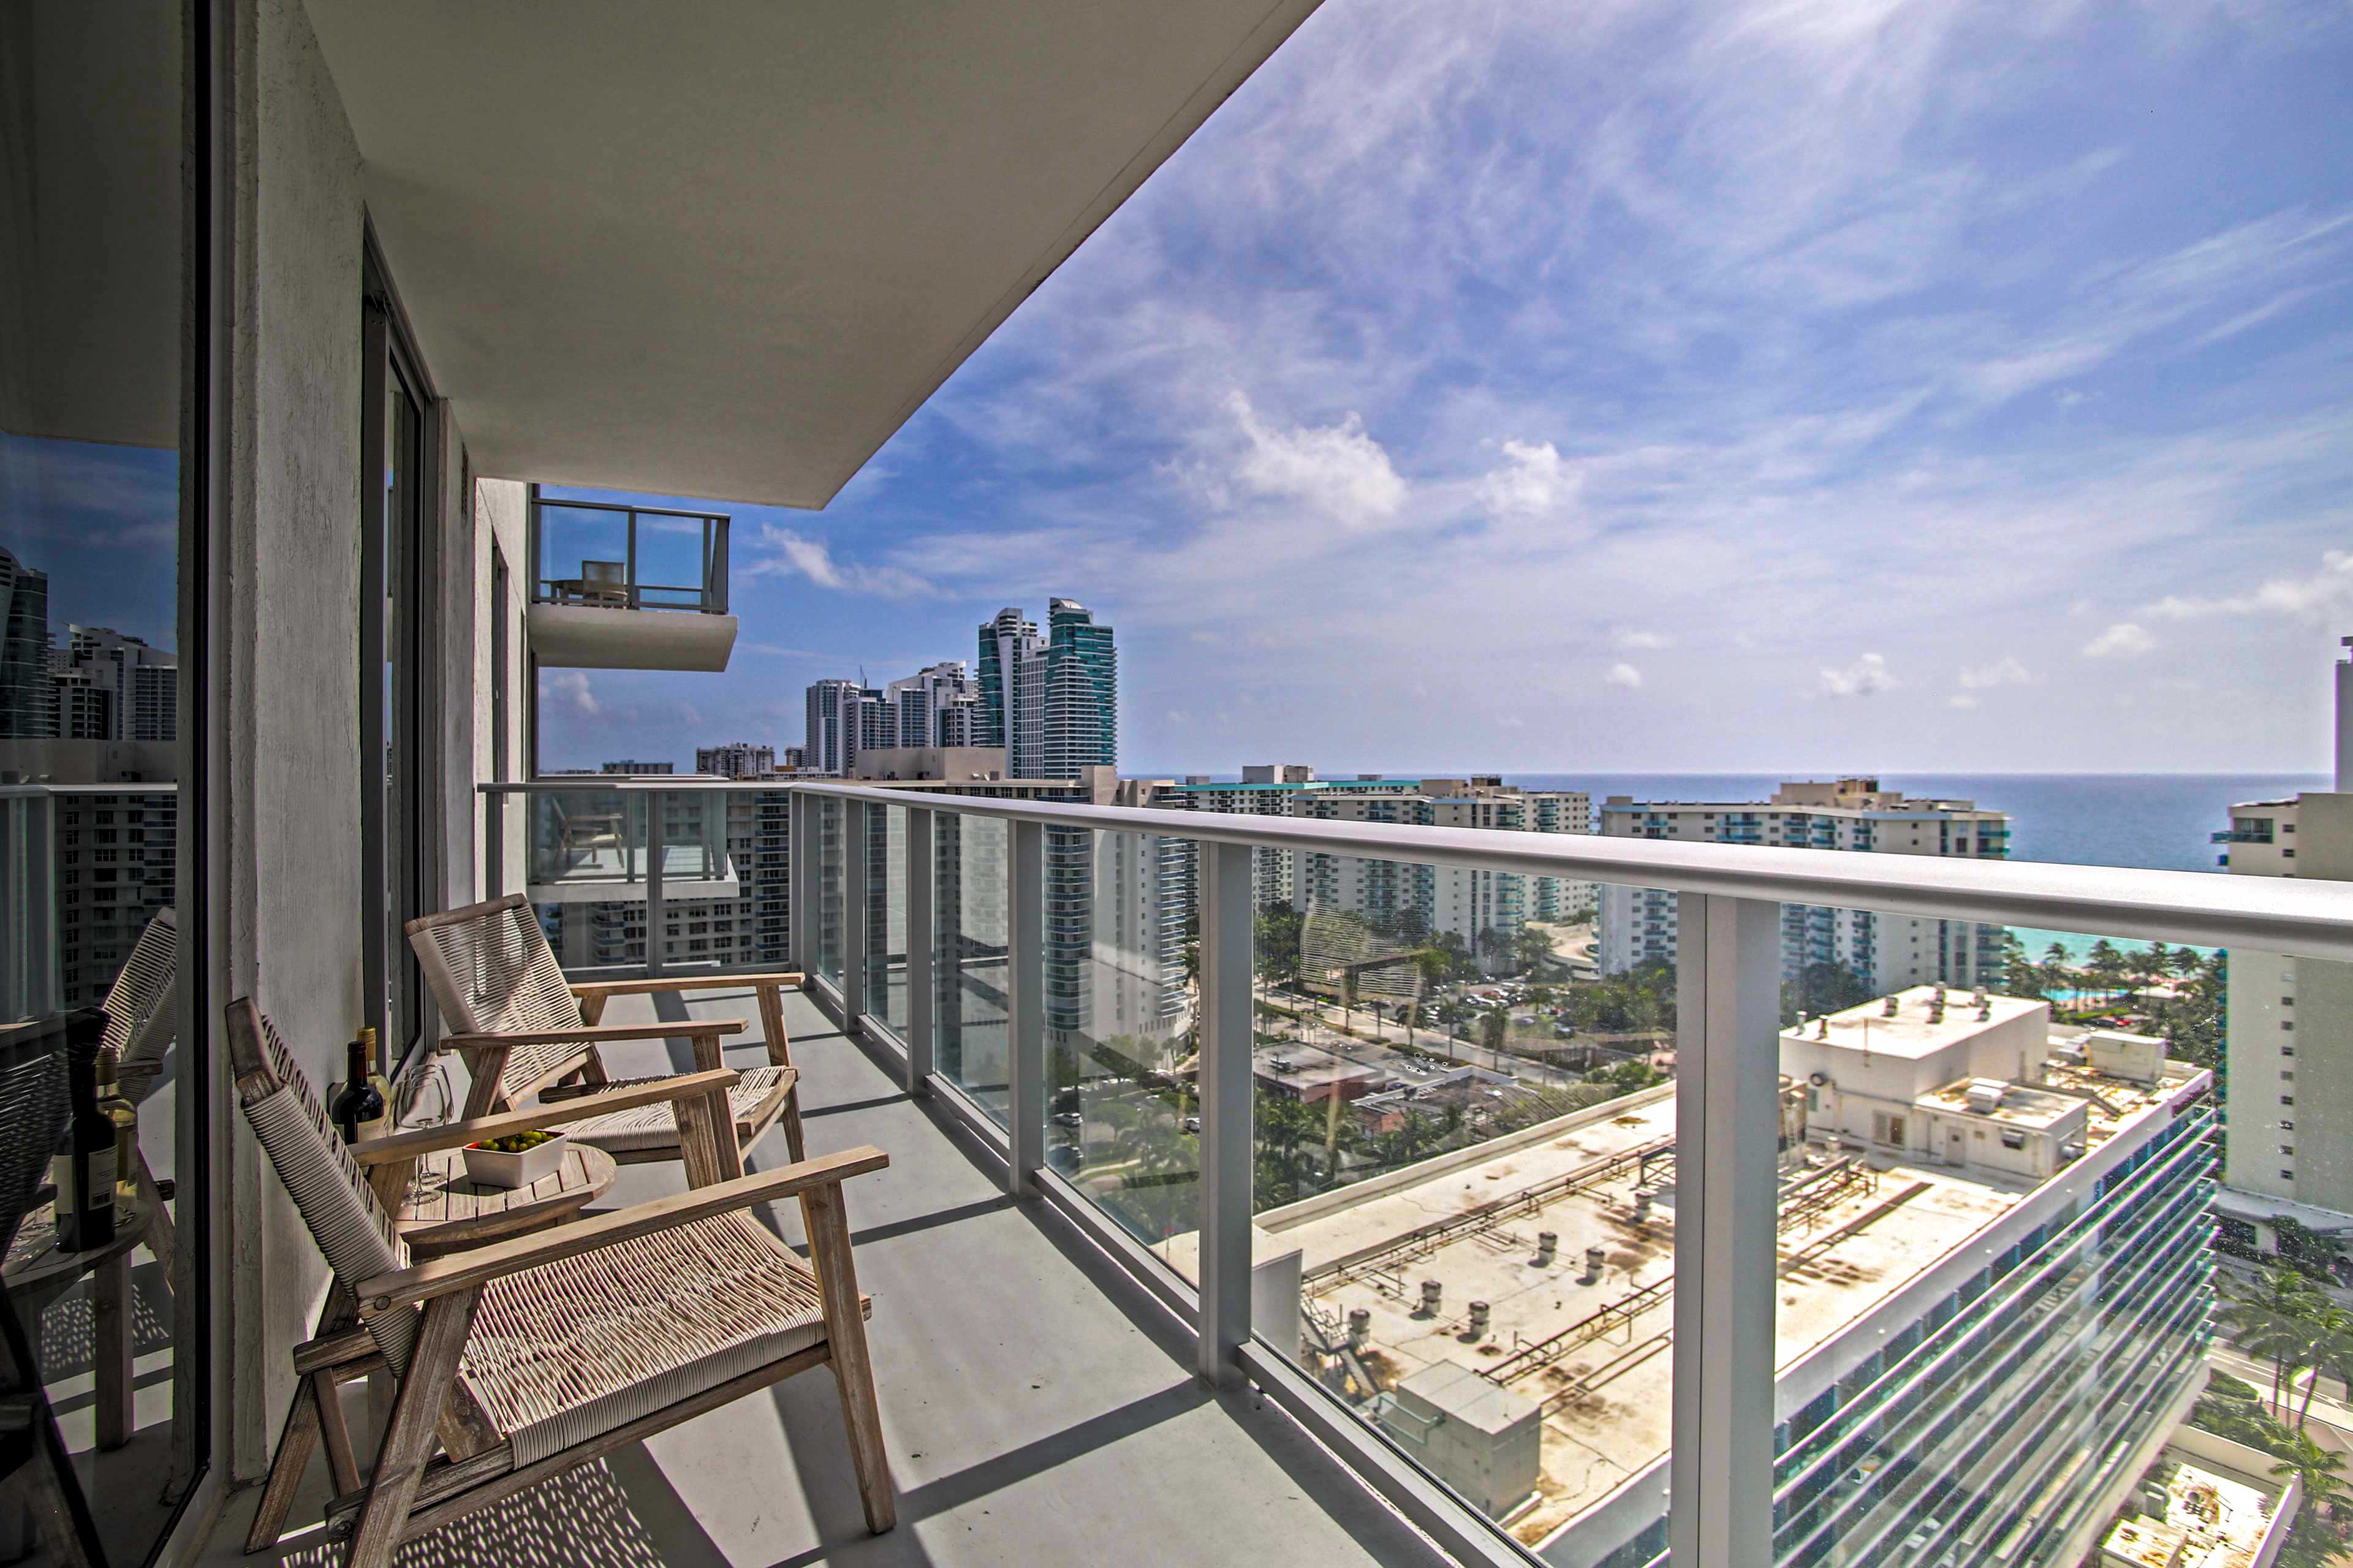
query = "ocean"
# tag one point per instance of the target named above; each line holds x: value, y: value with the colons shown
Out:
x: 2157, y: 820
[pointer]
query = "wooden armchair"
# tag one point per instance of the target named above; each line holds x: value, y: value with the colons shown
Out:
x: 526, y: 1358
x: 525, y: 1031
x: 143, y: 1014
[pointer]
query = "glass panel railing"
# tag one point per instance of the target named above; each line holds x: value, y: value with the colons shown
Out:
x: 1121, y: 1050
x: 825, y: 948
x: 1464, y: 1185
x: 601, y: 556
x: 968, y: 957
x: 1990, y: 1320
x: 886, y: 917
x: 582, y: 840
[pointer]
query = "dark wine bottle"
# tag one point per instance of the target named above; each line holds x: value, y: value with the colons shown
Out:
x: 358, y: 1110
x: 85, y: 1203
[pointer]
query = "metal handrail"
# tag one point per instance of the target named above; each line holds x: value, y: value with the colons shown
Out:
x: 2312, y: 919
x: 710, y: 595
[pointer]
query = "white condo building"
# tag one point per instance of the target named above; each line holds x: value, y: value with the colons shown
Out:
x: 1885, y: 953
x: 2287, y: 1102
x: 1466, y: 903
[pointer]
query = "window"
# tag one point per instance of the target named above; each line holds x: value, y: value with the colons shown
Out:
x: 1886, y: 1129
x: 2287, y: 1050
x: 2287, y: 1100
x: 2287, y: 1075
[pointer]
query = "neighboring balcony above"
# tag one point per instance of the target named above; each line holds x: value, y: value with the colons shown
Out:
x: 618, y: 587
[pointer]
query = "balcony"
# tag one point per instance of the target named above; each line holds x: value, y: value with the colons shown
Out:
x: 623, y: 587
x: 1134, y: 1145
x: 2247, y: 835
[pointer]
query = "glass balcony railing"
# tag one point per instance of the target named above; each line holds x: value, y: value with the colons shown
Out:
x: 1480, y: 1157
x: 2241, y: 835
x: 586, y: 553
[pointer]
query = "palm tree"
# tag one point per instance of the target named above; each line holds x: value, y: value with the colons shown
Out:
x: 2318, y: 1468
x: 2332, y: 1334
x: 2273, y: 1320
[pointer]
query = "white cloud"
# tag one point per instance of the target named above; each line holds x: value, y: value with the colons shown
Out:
x: 2123, y: 640
x: 2005, y: 672
x: 1337, y: 469
x: 1532, y: 482
x: 1624, y: 675
x: 1961, y: 700
x: 1639, y: 639
x: 797, y: 555
x: 571, y: 689
x: 2325, y: 593
x: 1865, y: 676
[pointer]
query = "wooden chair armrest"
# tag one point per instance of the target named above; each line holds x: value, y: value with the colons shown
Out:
x: 468, y: 1270
x: 585, y: 988
x: 591, y: 1033
x: 343, y: 1348
x: 402, y: 1146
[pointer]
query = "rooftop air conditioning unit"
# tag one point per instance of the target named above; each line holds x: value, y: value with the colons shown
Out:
x: 1985, y: 1095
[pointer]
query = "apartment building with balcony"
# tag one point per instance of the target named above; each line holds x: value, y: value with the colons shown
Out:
x: 1467, y: 904
x: 1849, y: 815
x: 2286, y: 1102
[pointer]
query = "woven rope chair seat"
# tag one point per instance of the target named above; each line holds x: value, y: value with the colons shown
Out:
x: 561, y: 1353
x: 756, y: 1100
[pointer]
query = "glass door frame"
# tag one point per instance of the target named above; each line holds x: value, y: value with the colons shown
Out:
x: 399, y: 657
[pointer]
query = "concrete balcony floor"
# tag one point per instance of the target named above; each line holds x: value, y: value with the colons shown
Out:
x: 1037, y: 1406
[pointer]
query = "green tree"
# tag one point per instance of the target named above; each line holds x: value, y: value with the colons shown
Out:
x: 2319, y: 1468
x: 1495, y: 1027
x: 2272, y: 1319
x: 1822, y: 988
x: 1277, y: 943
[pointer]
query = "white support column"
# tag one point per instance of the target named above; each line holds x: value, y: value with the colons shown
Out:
x: 800, y: 884
x: 853, y: 913
x: 918, y: 883
x: 657, y: 908
x: 1224, y: 1023
x: 1025, y: 1010
x: 1728, y: 1128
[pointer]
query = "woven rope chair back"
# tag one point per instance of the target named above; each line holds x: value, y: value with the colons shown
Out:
x: 33, y: 1111
x: 336, y: 1203
x: 142, y: 1006
x: 492, y: 972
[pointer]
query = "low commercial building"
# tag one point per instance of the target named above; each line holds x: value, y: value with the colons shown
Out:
x: 1994, y: 1287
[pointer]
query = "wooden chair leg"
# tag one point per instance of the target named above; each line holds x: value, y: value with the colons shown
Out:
x: 326, y: 1392
x: 110, y: 1310
x: 791, y: 1121
x: 296, y: 1440
x: 408, y: 1440
x: 827, y: 1221
x: 162, y: 1237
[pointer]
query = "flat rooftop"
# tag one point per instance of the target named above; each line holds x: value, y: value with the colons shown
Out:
x: 1917, y: 1029
x: 1592, y: 1346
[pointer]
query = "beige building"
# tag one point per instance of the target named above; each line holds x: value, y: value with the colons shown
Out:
x: 2288, y: 1103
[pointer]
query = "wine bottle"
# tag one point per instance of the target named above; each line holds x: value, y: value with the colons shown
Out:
x: 125, y: 1118
x: 358, y: 1110
x: 383, y: 1083
x: 85, y: 1206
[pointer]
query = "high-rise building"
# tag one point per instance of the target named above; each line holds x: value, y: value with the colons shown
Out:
x: 741, y: 760
x: 27, y: 697
x: 1077, y: 701
x: 1479, y: 907
x: 833, y: 733
x: 2288, y: 1098
x: 141, y: 682
x: 1884, y: 952
x: 1005, y: 643
x: 636, y: 769
x: 916, y: 708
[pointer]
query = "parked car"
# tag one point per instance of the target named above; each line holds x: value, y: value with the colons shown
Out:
x: 1926, y: 1530
x: 1192, y: 1124
x: 1069, y: 1119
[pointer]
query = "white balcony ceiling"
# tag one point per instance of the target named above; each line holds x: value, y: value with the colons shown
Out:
x: 724, y: 249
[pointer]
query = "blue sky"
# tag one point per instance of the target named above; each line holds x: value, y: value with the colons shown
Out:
x: 1724, y: 386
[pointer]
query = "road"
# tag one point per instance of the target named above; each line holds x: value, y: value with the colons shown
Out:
x: 1361, y: 1021
x: 2331, y: 1412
